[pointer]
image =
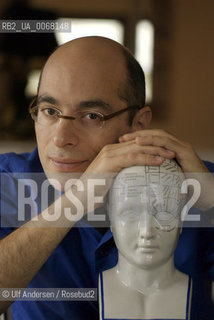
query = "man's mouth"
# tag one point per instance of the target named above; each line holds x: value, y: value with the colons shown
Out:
x: 67, y: 165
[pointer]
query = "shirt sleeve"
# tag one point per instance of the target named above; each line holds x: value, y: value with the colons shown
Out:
x: 8, y: 204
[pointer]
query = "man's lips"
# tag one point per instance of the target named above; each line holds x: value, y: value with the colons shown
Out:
x: 66, y: 164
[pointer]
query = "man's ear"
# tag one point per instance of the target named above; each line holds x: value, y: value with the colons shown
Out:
x: 142, y: 119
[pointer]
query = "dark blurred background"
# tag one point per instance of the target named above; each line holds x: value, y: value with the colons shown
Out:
x: 20, y: 53
x: 182, y: 70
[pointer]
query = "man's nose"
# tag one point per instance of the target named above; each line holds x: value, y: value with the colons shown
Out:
x: 65, y: 134
x: 146, y: 227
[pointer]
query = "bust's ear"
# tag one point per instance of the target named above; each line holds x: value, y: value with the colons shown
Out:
x: 142, y: 119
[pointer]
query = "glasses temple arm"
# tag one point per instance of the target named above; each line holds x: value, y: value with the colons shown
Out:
x: 120, y: 111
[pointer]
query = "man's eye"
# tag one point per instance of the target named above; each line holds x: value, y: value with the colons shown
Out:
x: 92, y: 116
x: 49, y: 111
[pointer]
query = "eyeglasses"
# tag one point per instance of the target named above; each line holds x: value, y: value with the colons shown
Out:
x: 48, y: 115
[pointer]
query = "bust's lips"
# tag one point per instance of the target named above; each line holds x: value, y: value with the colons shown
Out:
x: 147, y: 247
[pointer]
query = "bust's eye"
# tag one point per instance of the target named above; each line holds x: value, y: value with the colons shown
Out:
x: 129, y: 215
x: 167, y: 228
x: 163, y: 216
x: 165, y: 221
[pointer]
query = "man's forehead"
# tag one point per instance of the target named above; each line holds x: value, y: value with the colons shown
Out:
x: 87, y: 50
x: 100, y: 63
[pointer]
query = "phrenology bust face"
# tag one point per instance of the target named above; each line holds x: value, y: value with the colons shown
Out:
x: 145, y: 204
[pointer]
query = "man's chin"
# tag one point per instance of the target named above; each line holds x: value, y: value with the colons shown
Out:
x: 59, y: 180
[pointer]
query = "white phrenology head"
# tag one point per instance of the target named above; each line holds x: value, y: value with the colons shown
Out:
x: 145, y: 204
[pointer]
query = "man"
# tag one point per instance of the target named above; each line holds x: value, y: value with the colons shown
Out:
x: 97, y: 76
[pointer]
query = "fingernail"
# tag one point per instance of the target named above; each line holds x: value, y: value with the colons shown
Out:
x: 123, y: 137
x: 139, y: 139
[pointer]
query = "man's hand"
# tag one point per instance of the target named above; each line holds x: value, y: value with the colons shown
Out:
x: 114, y: 157
x: 184, y: 153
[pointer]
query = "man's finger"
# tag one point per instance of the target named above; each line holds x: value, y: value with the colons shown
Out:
x: 145, y: 133
x: 171, y: 145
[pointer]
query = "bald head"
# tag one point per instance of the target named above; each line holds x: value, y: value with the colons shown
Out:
x: 83, y: 55
x: 92, y: 47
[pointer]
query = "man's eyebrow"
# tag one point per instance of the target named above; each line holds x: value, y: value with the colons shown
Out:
x: 46, y: 98
x: 96, y: 103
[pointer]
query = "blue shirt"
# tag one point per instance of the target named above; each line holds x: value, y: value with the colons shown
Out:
x: 85, y: 252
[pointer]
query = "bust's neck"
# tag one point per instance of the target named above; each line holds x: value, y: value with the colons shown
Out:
x: 147, y: 280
